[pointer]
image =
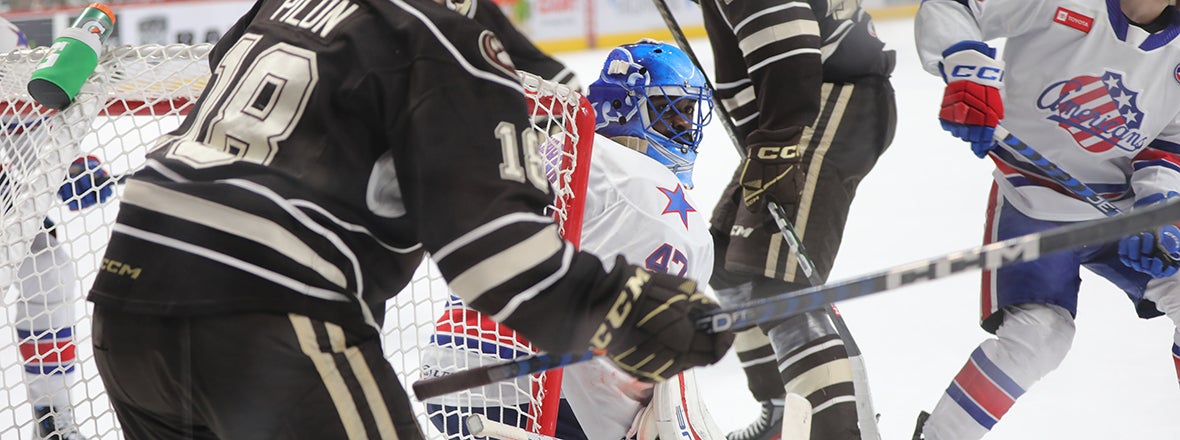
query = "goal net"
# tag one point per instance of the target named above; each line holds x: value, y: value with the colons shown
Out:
x: 50, y: 254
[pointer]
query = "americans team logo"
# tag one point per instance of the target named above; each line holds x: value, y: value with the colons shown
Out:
x: 1099, y: 112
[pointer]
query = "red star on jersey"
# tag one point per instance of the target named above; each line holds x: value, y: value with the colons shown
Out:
x: 677, y: 203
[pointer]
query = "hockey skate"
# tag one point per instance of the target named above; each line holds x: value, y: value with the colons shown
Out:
x: 922, y: 416
x: 54, y: 424
x: 769, y: 424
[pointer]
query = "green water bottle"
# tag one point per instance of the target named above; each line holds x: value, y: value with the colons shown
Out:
x: 72, y: 58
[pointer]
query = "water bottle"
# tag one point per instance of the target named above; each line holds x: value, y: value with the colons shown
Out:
x: 72, y: 58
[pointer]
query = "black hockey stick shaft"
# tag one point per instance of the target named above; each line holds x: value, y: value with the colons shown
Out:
x: 776, y: 211
x: 1077, y: 187
x: 682, y: 41
x: 805, y: 264
x: 489, y: 374
x: 991, y: 256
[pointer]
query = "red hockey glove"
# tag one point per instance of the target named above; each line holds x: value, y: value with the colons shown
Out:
x: 971, y: 104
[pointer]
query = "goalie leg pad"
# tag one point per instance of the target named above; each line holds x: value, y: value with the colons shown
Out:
x: 676, y: 412
x: 814, y: 363
x: 45, y: 322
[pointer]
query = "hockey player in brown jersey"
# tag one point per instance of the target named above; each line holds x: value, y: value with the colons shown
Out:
x: 336, y: 144
x: 807, y: 84
x: 525, y: 55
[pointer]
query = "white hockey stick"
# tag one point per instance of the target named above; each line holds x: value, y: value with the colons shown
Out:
x: 481, y: 426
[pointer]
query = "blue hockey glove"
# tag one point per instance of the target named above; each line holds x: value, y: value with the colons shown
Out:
x: 1145, y: 251
x: 971, y: 103
x: 88, y: 184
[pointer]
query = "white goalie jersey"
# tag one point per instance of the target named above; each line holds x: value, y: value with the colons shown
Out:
x: 636, y: 208
x: 1083, y: 86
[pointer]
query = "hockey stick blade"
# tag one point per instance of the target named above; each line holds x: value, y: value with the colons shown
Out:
x: 991, y: 256
x: 488, y: 374
x: 481, y: 426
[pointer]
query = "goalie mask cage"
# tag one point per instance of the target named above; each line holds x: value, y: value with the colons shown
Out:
x: 135, y: 95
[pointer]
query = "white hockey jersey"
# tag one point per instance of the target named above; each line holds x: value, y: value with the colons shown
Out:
x: 1083, y: 86
x: 635, y: 207
x: 638, y: 209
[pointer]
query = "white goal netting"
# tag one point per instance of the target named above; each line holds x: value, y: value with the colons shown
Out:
x: 136, y: 94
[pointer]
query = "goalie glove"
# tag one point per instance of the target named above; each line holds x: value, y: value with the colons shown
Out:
x: 971, y: 103
x: 774, y: 173
x: 88, y: 184
x: 1152, y: 252
x: 650, y: 328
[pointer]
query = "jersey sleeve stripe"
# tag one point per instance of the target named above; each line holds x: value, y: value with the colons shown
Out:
x: 485, y: 229
x: 459, y: 58
x: 1163, y: 145
x: 231, y: 221
x: 234, y: 262
x: 747, y: 20
x: 507, y: 264
x: 783, y: 55
x: 776, y: 33
x: 742, y: 98
x: 530, y: 293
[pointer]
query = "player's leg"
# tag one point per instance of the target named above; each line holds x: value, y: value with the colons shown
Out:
x: 813, y: 362
x: 854, y: 129
x: 1030, y: 308
x: 45, y: 319
x: 141, y: 360
x: 349, y: 390
x: 1152, y: 296
x: 251, y: 376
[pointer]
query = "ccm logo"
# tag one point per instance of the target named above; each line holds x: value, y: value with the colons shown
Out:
x: 982, y: 72
x: 741, y: 231
x: 776, y: 152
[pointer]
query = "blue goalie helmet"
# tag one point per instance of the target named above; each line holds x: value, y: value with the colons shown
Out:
x: 653, y: 96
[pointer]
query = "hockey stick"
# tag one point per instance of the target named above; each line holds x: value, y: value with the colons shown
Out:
x: 488, y: 374
x: 990, y: 256
x: 481, y: 426
x: 1077, y: 187
x: 860, y: 382
x: 987, y: 257
x: 776, y: 211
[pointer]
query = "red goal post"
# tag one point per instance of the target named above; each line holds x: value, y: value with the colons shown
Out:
x: 135, y: 95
